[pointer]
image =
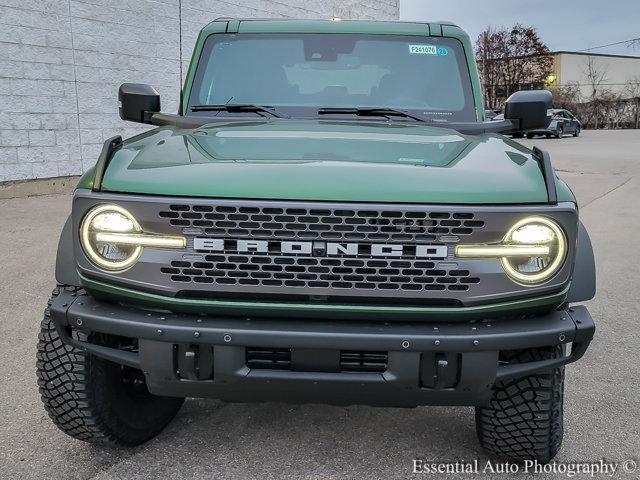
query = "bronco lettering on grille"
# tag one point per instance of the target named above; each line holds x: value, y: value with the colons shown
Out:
x: 320, y: 248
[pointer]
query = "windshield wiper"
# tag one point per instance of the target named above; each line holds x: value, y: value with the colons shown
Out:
x: 235, y: 107
x: 368, y: 112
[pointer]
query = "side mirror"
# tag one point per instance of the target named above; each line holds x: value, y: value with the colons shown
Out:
x: 138, y: 102
x: 527, y: 109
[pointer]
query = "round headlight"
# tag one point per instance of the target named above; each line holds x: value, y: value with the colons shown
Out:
x: 109, y: 219
x: 535, y: 232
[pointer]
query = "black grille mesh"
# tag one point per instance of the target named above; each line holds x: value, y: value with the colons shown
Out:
x: 320, y: 273
x: 268, y: 358
x: 353, y: 361
x: 362, y: 274
x: 321, y: 224
x: 350, y: 360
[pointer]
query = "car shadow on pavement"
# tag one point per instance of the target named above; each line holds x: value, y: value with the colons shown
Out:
x: 314, y: 439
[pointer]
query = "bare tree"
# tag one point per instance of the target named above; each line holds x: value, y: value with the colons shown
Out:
x: 601, y: 107
x: 616, y: 109
x: 634, y: 43
x: 487, y: 46
x: 511, y: 60
x: 566, y: 96
x: 596, y: 76
x: 528, y: 62
x: 632, y: 92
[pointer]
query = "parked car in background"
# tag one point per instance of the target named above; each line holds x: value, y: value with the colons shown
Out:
x: 499, y: 118
x: 490, y: 115
x: 562, y: 122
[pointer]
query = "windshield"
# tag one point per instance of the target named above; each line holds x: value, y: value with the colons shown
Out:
x: 298, y: 74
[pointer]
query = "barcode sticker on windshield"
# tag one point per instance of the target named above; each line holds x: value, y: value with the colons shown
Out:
x: 424, y: 49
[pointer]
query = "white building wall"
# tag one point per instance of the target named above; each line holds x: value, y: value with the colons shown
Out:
x: 617, y: 70
x: 61, y: 62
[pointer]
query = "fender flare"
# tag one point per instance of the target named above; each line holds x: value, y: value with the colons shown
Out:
x: 583, y: 284
x: 66, y: 272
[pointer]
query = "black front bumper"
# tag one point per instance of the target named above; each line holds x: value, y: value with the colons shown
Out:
x: 419, y: 363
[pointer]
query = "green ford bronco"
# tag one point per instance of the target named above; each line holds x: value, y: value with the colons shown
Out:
x: 327, y: 219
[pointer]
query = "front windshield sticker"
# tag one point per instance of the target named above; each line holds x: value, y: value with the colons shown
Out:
x: 424, y: 49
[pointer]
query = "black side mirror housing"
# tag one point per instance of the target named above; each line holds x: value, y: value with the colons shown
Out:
x: 138, y: 102
x: 527, y: 109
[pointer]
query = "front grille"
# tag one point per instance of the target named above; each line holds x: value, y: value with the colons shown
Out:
x: 363, y: 361
x: 322, y: 252
x: 365, y: 274
x: 268, y: 358
x: 350, y: 361
x: 272, y: 274
x: 321, y: 223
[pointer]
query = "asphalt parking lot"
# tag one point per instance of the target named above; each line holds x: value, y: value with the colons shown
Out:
x: 210, y: 439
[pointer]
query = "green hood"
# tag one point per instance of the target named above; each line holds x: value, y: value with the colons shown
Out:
x: 324, y: 160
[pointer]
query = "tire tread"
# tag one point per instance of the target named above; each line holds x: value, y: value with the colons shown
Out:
x: 524, y: 420
x: 62, y: 372
x: 73, y: 389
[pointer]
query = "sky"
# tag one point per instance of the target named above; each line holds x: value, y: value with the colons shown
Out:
x: 563, y: 25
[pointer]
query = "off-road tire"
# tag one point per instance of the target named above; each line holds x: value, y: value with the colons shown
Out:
x: 524, y: 420
x: 92, y: 399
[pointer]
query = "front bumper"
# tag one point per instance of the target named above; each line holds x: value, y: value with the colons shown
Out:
x: 548, y: 131
x: 552, y: 129
x: 424, y: 363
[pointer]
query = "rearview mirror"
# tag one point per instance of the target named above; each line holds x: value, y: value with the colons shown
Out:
x: 527, y: 109
x: 138, y: 102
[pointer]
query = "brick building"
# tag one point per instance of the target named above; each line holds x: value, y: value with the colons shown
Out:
x: 61, y: 62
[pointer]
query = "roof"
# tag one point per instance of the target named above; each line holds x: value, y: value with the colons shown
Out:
x: 255, y: 25
x: 591, y: 54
